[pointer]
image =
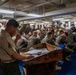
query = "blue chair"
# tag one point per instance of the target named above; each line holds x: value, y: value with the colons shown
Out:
x: 61, y: 45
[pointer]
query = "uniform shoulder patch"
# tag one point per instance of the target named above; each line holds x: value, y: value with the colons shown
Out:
x: 9, y: 45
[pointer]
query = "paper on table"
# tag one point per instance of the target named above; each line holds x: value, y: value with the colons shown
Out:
x: 37, y: 52
x: 57, y: 48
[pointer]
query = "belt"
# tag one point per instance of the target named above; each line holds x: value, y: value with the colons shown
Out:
x: 8, y: 61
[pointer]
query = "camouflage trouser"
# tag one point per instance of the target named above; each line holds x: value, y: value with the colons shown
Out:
x: 11, y: 68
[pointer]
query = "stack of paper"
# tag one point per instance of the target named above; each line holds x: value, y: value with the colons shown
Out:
x: 37, y: 52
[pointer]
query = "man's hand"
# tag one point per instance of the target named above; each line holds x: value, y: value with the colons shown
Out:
x: 28, y: 56
x: 21, y: 56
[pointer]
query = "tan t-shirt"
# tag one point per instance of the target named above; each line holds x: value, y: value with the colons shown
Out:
x: 7, y: 46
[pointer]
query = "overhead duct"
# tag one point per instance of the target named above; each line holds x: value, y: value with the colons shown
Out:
x: 19, y: 13
x: 41, y: 4
x: 7, y: 16
x: 3, y: 1
x: 61, y: 12
x: 53, y: 13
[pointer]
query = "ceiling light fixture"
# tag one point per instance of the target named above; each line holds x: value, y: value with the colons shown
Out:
x: 46, y: 22
x: 34, y: 15
x: 58, y: 19
x: 6, y: 11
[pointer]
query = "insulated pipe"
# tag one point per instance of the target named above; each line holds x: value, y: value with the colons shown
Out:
x: 62, y: 11
x: 53, y: 13
x: 48, y: 2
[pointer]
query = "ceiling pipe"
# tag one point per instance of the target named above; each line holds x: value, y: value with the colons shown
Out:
x: 19, y: 13
x: 53, y: 13
x: 48, y: 2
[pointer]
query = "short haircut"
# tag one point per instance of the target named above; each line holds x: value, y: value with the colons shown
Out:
x: 66, y: 33
x: 21, y: 32
x: 12, y: 22
x: 52, y: 31
x: 34, y: 32
x: 61, y: 31
x: 49, y: 33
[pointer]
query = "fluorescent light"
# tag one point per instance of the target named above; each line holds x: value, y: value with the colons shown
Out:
x: 65, y: 20
x: 32, y: 22
x: 58, y: 19
x: 7, y: 16
x: 34, y: 15
x: 6, y: 11
x: 45, y: 22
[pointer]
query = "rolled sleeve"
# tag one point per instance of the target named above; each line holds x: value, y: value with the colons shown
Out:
x: 7, y: 47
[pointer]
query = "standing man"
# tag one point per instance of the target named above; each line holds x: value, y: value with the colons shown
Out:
x: 72, y: 27
x: 8, y: 53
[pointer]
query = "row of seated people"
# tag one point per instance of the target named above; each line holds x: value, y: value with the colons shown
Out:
x: 64, y: 40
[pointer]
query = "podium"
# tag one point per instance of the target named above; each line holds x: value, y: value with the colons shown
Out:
x: 43, y: 64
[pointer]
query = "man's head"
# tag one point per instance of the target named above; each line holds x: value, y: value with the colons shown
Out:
x: 12, y: 26
x: 61, y: 32
x: 49, y: 35
x: 72, y: 25
x: 22, y: 34
x: 35, y: 33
